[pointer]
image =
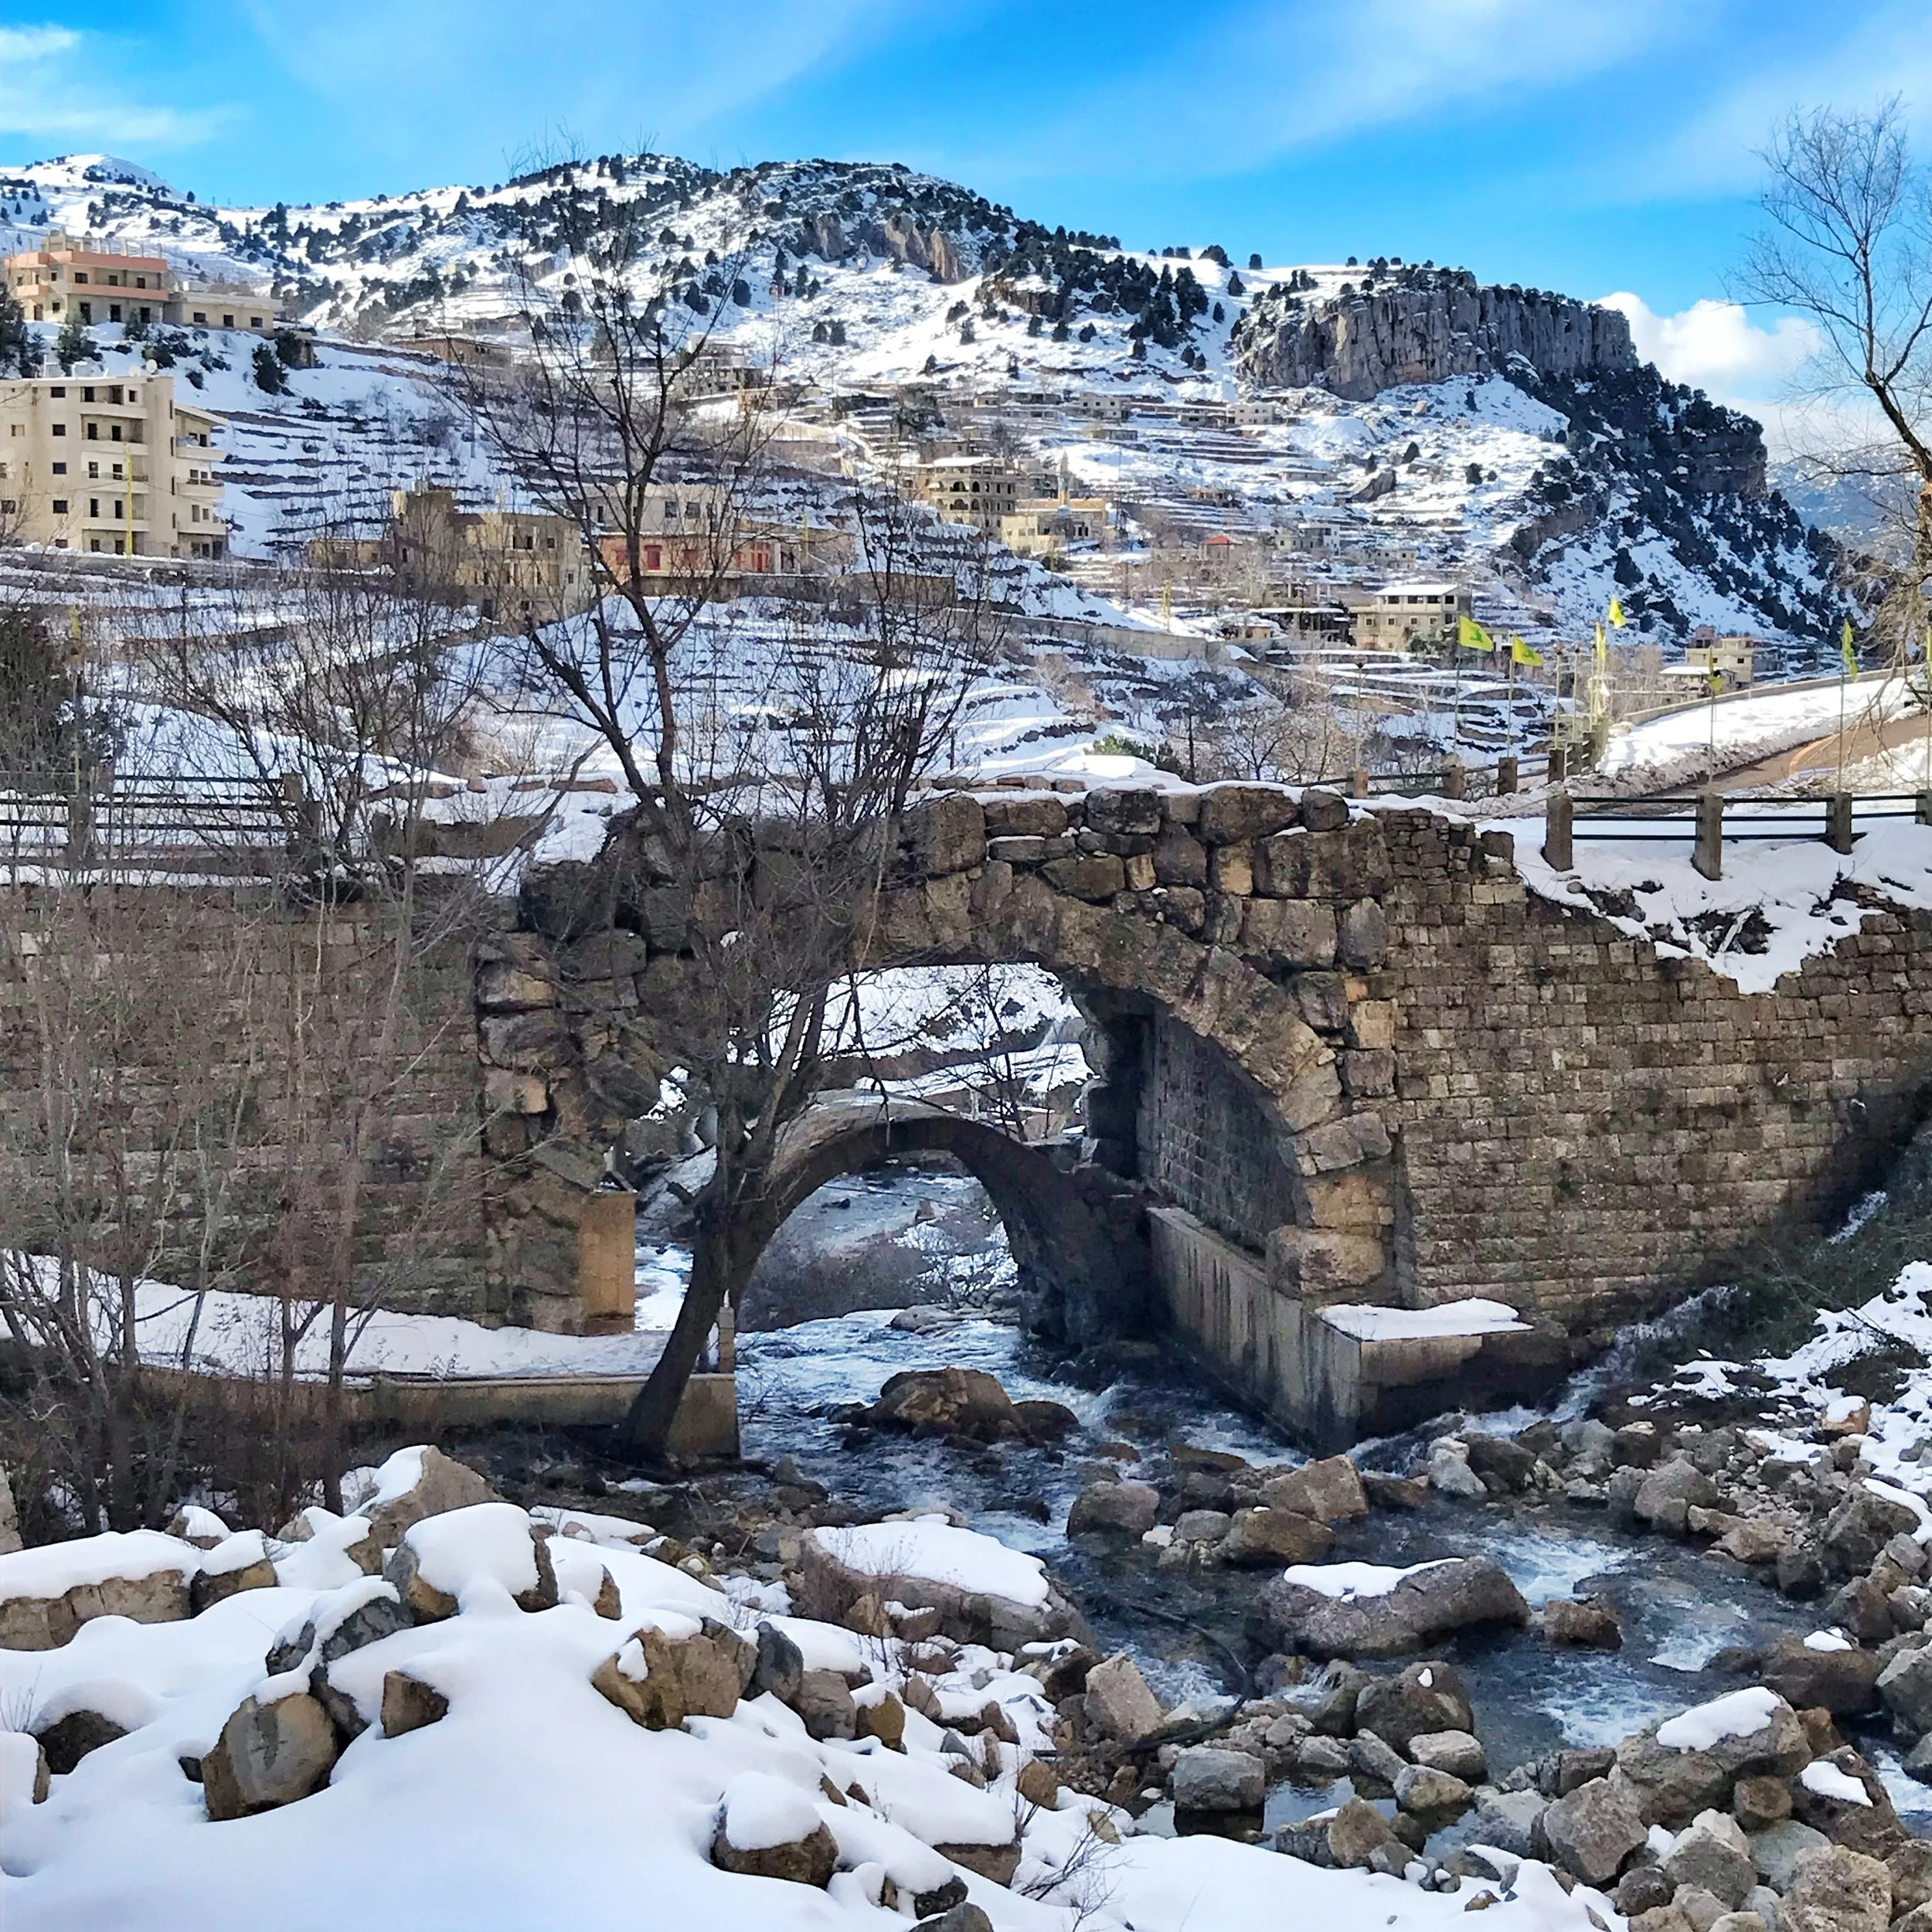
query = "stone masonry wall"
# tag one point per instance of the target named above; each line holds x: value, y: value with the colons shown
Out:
x: 1585, y: 1127
x: 1365, y: 1053
x: 1205, y: 1143
x: 207, y: 1036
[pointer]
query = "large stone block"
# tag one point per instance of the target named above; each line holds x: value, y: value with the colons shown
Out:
x: 1354, y: 1199
x: 1289, y: 932
x: 1362, y: 936
x: 1352, y: 863
x: 948, y: 833
x: 1179, y: 858
x: 536, y: 1043
x: 1326, y: 1265
x: 1230, y: 814
x: 1132, y: 811
x: 1038, y: 815
x: 1094, y: 876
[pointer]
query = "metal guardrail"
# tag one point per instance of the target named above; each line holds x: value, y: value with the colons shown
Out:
x: 186, y: 824
x: 1708, y: 820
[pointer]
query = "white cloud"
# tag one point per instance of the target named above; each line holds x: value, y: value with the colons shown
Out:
x: 1716, y: 347
x: 53, y: 90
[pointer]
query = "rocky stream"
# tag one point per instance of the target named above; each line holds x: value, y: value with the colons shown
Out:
x: 1606, y: 1574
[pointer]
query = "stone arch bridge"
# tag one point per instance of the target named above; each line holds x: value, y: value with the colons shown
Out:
x: 1374, y: 1129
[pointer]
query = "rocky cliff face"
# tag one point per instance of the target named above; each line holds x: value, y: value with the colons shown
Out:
x: 1424, y: 326
x: 897, y: 237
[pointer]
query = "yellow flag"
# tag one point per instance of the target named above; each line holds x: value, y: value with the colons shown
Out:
x: 1472, y: 637
x: 1520, y: 653
x: 1615, y: 613
x: 1603, y: 647
x: 1847, y: 651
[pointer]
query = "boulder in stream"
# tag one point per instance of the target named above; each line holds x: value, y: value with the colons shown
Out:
x: 1364, y: 1610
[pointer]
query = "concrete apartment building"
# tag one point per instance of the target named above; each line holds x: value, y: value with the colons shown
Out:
x: 120, y: 469
x: 1400, y: 615
x: 1049, y: 525
x: 684, y: 531
x: 67, y: 277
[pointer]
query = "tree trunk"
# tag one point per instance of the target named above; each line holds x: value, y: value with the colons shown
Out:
x: 647, y: 1429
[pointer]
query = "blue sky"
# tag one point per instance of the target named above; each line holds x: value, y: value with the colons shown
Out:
x: 1591, y: 145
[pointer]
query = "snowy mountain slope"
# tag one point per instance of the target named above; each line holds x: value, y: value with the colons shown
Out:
x: 1555, y: 486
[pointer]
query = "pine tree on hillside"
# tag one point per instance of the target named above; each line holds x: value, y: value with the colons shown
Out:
x: 73, y: 345
x: 45, y: 728
x: 19, y: 349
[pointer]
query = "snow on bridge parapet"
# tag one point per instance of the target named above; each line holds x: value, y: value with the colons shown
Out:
x: 1781, y: 903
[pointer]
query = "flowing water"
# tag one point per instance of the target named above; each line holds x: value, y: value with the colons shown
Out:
x: 1188, y: 1627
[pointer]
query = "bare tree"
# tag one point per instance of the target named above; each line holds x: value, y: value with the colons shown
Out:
x: 1848, y: 246
x: 768, y: 811
x: 339, y: 697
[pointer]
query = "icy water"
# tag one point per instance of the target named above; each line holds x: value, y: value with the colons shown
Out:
x: 1189, y: 1629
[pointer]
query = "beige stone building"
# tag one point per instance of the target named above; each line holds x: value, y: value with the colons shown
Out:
x: 1042, y: 526
x: 1400, y: 615
x: 508, y: 563
x: 975, y: 490
x: 68, y: 277
x: 694, y: 533
x: 121, y: 468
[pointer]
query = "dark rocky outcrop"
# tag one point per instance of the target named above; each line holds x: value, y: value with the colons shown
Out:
x: 1425, y: 327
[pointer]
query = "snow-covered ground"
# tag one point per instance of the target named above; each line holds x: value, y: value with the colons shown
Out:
x: 531, y: 1799
x: 1895, y: 1430
x: 241, y: 1334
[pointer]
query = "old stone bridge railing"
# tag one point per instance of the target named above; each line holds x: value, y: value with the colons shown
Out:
x: 1346, y: 1060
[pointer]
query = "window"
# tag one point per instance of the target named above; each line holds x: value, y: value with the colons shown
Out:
x: 201, y: 318
x: 93, y: 469
x: 80, y: 275
x: 58, y: 389
x: 94, y: 543
x: 118, y: 470
x: 115, y: 432
x: 117, y: 393
x: 60, y: 469
x: 93, y: 506
x: 86, y: 311
x: 94, y: 432
x: 228, y: 321
x: 87, y: 395
x: 146, y: 314
x: 59, y: 429
x: 113, y: 311
x: 60, y: 506
x: 254, y: 321
x: 140, y: 281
